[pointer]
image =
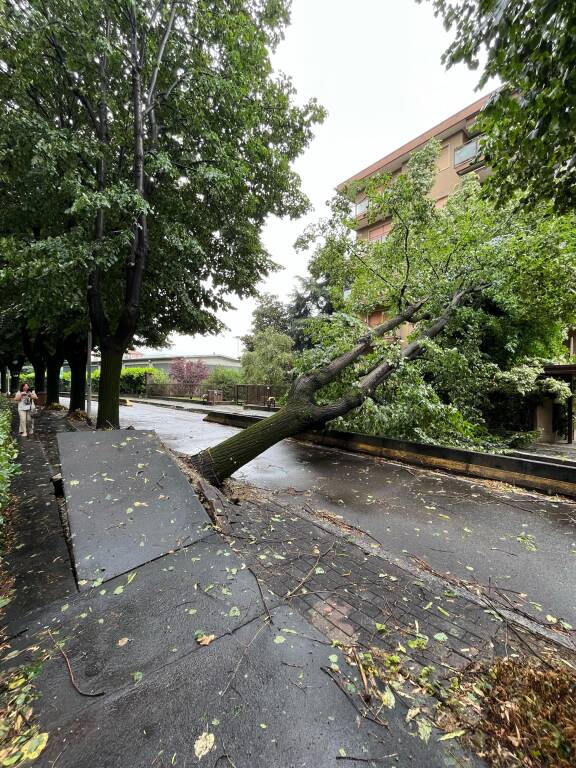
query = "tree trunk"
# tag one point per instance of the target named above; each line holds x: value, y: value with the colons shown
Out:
x: 77, y: 385
x: 3, y: 379
x: 35, y: 351
x: 109, y: 389
x: 301, y: 412
x: 15, y: 367
x: 53, y: 368
x: 221, y: 461
x: 39, y: 375
x: 76, y: 351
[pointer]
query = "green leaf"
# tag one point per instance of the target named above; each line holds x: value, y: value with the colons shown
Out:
x: 388, y: 698
x: 452, y: 735
x: 424, y: 729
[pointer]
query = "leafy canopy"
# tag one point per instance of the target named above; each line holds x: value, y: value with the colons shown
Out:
x: 271, y: 359
x: 219, y: 140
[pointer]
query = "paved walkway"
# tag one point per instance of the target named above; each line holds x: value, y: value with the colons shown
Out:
x: 189, y: 659
x: 522, y: 543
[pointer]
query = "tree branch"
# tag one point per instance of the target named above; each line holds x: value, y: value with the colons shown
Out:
x: 316, y: 379
x: 149, y: 110
x: 375, y: 377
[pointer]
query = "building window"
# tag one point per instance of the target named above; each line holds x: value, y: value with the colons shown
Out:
x: 467, y: 152
x: 380, y: 233
x: 361, y: 207
x: 444, y: 158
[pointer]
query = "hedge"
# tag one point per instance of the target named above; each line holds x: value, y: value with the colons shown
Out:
x: 132, y: 380
x: 8, y: 454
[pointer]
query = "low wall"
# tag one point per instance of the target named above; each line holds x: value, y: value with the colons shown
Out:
x: 538, y: 473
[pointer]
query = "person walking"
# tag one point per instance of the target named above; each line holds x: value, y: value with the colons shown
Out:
x: 26, y: 398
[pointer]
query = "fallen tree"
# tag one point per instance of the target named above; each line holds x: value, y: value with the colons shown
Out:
x: 301, y: 410
x: 434, y: 267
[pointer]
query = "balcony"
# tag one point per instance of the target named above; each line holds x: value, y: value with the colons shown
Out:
x: 361, y: 207
x: 468, y: 156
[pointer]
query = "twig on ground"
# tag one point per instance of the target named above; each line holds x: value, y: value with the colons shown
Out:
x: 269, y: 615
x: 363, y: 713
x: 367, y: 694
x: 225, y: 756
x: 71, y: 673
x: 366, y: 759
x: 241, y: 659
x: 291, y: 592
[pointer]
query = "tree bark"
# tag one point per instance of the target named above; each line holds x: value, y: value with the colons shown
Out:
x: 39, y: 375
x: 301, y: 410
x: 53, y: 368
x: 35, y: 352
x: 76, y: 353
x: 3, y: 379
x: 218, y: 463
x: 77, y: 386
x: 15, y: 367
x: 109, y: 389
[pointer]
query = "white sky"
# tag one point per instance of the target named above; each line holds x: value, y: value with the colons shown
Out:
x: 375, y: 65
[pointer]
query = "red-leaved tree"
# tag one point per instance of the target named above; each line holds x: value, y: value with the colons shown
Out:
x: 189, y: 372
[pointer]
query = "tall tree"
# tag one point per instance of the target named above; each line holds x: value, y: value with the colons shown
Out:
x: 270, y: 361
x: 434, y: 265
x: 183, y: 140
x: 270, y: 313
x: 529, y: 126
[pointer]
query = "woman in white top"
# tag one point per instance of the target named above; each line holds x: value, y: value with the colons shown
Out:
x: 26, y: 406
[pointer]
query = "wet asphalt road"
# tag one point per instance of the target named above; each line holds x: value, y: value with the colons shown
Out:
x: 516, y: 541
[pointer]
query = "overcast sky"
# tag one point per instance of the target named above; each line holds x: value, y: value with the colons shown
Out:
x: 375, y: 65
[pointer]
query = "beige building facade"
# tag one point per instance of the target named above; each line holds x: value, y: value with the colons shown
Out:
x: 460, y: 154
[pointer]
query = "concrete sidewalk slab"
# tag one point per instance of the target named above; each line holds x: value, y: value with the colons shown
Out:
x: 139, y: 623
x: 127, y: 500
x: 258, y: 698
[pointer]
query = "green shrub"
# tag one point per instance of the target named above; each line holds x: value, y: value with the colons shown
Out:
x: 221, y: 377
x: 8, y: 454
x: 27, y: 377
x: 132, y: 380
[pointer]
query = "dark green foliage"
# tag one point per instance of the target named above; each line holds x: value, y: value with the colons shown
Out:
x: 145, y: 147
x: 8, y: 454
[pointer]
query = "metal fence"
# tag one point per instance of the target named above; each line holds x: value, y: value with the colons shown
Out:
x: 241, y: 394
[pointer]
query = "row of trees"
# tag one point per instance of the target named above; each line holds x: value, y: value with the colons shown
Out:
x: 142, y: 145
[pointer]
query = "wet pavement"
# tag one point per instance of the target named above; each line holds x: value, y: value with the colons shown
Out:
x: 522, y: 542
x: 188, y: 660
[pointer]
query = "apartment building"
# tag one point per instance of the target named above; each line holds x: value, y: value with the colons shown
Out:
x: 459, y: 155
